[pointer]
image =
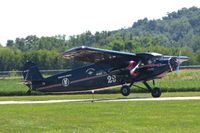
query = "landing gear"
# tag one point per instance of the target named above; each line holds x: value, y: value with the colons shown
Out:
x: 155, y: 92
x: 28, y: 92
x: 125, y: 90
x: 30, y: 89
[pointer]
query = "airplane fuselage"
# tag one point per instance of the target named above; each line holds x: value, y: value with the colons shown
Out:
x: 97, y: 76
x: 109, y: 68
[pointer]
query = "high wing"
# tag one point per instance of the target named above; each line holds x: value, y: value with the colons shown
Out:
x: 89, y: 54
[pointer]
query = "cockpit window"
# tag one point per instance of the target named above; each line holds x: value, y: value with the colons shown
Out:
x: 153, y: 60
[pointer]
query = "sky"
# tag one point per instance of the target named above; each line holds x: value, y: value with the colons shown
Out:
x: 20, y: 18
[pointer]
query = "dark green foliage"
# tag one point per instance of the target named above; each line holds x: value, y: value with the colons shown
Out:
x: 178, y: 31
x: 10, y: 59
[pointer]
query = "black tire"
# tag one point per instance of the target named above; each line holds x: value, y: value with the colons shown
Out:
x: 125, y: 90
x: 156, y: 92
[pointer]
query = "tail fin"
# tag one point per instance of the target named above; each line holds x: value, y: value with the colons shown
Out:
x: 31, y: 72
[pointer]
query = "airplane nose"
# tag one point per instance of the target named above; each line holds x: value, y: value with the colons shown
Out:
x: 173, y: 62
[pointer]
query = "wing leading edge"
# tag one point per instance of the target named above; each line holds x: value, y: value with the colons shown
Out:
x: 90, y: 54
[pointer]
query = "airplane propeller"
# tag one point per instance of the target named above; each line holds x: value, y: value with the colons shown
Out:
x: 180, y: 60
x: 175, y: 61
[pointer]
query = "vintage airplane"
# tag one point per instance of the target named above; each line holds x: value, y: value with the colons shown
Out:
x: 107, y: 68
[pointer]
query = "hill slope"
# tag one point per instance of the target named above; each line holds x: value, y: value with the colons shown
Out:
x: 178, y: 31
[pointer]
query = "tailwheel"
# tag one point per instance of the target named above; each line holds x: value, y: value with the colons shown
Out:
x: 156, y: 92
x: 125, y: 90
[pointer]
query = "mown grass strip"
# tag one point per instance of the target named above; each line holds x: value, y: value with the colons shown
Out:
x: 185, y: 80
x: 122, y: 117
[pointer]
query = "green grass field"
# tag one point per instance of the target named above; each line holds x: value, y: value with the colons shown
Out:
x: 12, y: 87
x: 110, y: 117
x: 185, y: 80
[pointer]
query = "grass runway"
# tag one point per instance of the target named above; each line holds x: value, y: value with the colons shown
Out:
x: 110, y: 117
x: 117, y: 117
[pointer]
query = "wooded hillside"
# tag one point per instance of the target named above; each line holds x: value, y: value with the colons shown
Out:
x: 178, y: 31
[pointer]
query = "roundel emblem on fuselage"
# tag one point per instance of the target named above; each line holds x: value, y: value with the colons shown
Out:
x: 65, y: 82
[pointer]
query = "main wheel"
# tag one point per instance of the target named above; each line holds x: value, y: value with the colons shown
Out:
x: 156, y: 92
x: 125, y: 90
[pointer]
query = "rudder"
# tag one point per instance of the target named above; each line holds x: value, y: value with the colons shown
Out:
x: 31, y: 72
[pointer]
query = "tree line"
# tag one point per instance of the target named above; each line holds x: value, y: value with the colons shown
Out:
x: 178, y: 31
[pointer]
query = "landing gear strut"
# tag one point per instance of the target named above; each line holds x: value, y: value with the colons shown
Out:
x: 30, y: 89
x: 28, y: 92
x: 155, y: 92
